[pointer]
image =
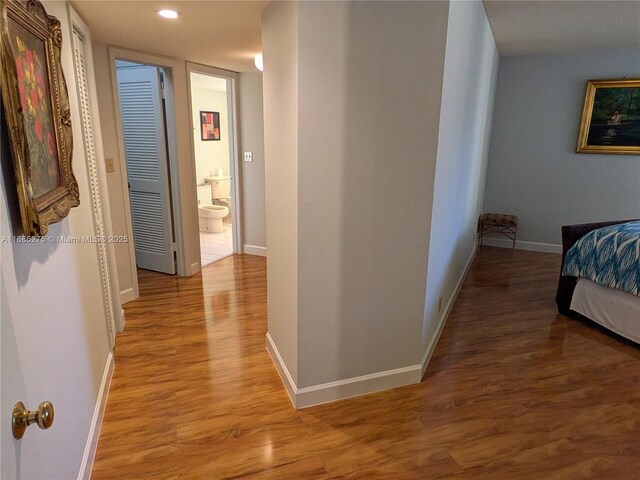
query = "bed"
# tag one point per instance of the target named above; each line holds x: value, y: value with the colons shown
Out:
x: 612, y: 303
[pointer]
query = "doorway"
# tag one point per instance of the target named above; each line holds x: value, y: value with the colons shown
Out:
x: 182, y: 192
x: 214, y: 147
x: 141, y: 91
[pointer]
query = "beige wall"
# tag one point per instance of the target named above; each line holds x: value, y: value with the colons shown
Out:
x: 210, y: 155
x: 53, y: 335
x: 369, y: 110
x: 280, y: 51
x: 115, y: 186
x: 252, y: 140
x: 362, y: 154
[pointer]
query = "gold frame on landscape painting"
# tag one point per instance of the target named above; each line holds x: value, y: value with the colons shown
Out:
x: 38, y: 117
x: 611, y: 117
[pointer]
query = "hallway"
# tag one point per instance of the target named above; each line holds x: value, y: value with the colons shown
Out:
x: 514, y: 390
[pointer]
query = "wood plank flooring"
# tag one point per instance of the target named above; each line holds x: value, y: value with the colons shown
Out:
x: 514, y: 390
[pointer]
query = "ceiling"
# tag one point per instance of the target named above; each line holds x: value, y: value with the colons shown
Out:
x: 224, y: 34
x: 227, y: 34
x: 536, y: 27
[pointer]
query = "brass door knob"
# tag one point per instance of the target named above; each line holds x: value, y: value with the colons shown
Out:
x: 22, y: 418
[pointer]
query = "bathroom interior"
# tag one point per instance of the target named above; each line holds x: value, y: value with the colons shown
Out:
x: 213, y: 166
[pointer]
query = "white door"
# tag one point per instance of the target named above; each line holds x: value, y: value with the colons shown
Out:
x: 107, y: 258
x: 147, y: 167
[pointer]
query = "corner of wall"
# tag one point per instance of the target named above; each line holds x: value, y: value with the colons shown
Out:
x: 442, y: 320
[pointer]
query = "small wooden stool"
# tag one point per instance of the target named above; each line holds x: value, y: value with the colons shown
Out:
x: 506, y: 225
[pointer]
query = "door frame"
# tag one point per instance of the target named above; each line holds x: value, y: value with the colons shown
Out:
x: 172, y: 69
x: 98, y: 185
x: 234, y: 143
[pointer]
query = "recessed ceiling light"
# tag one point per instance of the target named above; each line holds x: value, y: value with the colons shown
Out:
x: 167, y: 13
x: 258, y: 61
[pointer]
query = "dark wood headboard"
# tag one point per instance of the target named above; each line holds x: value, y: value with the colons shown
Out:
x: 570, y: 235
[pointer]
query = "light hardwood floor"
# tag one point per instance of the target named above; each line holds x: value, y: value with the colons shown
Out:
x: 514, y: 390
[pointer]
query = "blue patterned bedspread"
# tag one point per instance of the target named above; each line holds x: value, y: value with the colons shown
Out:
x: 608, y: 256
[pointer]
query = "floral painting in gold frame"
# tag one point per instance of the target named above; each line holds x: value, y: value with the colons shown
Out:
x: 611, y: 117
x: 36, y: 106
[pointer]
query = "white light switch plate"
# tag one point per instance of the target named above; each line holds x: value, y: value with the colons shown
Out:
x: 248, y: 156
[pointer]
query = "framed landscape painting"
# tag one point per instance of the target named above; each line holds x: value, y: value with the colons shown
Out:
x: 611, y: 117
x: 210, y: 125
x: 36, y: 105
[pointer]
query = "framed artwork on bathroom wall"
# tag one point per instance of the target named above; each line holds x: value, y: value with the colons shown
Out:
x: 209, y: 125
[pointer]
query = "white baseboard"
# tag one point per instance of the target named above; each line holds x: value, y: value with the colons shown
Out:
x: 356, y: 386
x: 351, y: 387
x: 127, y: 295
x: 121, y: 321
x: 282, y: 369
x: 255, y: 250
x: 96, y: 422
x: 522, y: 245
x: 426, y: 358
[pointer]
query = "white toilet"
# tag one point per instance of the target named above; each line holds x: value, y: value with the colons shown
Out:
x: 220, y: 191
x: 220, y: 187
x: 209, y: 216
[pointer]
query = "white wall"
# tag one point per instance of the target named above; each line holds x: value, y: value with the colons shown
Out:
x: 210, y: 155
x: 534, y: 170
x: 368, y: 107
x: 252, y: 140
x: 470, y: 74
x: 280, y: 83
x: 53, y: 332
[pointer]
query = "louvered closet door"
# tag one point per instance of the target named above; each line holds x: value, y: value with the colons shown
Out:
x: 147, y: 168
x: 110, y: 302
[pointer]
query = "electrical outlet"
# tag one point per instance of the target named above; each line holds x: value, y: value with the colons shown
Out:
x: 440, y: 304
x: 248, y: 156
x: 110, y: 165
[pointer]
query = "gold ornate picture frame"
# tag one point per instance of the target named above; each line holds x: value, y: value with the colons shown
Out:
x: 36, y: 104
x: 611, y: 117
